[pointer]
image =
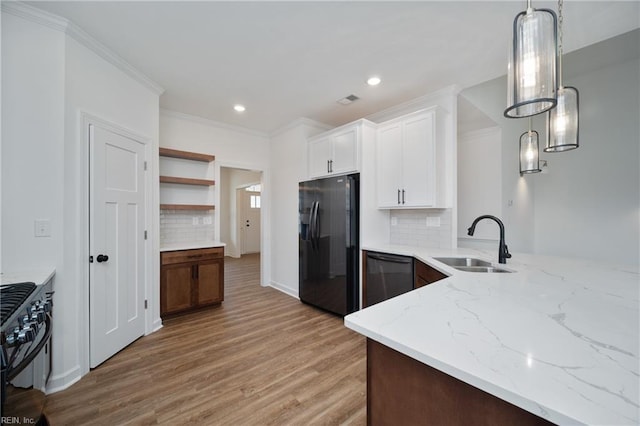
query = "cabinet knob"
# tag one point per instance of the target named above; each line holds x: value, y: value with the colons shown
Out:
x: 102, y: 258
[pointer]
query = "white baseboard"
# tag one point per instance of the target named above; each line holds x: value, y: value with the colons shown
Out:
x: 285, y: 289
x: 157, y: 325
x: 60, y: 382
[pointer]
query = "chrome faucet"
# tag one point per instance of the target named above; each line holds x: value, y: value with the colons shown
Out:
x: 503, y: 250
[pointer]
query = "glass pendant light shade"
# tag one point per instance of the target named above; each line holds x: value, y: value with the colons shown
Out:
x: 529, y: 152
x: 562, y: 122
x: 532, y: 72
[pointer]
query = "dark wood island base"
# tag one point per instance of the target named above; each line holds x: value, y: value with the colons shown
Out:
x: 404, y: 391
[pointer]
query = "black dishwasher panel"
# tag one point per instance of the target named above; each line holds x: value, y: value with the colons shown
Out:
x: 387, y: 276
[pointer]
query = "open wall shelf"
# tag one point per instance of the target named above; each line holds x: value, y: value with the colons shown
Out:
x: 199, y: 207
x: 186, y: 181
x: 187, y: 155
x: 193, y: 156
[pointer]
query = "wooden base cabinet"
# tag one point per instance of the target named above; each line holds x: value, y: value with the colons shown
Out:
x: 404, y: 391
x: 191, y: 279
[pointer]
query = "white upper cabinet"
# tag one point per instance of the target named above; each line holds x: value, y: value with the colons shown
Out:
x: 409, y: 164
x: 335, y: 152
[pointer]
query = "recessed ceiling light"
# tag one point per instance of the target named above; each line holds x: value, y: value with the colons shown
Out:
x: 373, y: 81
x: 239, y: 108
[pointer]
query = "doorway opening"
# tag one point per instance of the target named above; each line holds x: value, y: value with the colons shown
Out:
x: 240, y: 210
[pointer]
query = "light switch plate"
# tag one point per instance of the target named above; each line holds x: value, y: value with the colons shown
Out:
x: 42, y: 228
x: 394, y: 221
x: 195, y: 220
x: 207, y: 220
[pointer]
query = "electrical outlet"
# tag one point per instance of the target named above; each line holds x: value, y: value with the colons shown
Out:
x: 394, y: 221
x: 195, y: 220
x: 42, y: 228
x: 433, y: 221
x: 207, y: 220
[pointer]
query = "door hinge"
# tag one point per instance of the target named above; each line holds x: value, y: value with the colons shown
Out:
x: 145, y: 235
x: 146, y: 305
x: 90, y: 259
x: 145, y: 165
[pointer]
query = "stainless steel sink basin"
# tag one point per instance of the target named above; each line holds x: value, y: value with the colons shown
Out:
x: 488, y: 269
x: 462, y: 261
x: 470, y: 264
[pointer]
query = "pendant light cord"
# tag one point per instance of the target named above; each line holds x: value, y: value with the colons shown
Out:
x: 560, y: 20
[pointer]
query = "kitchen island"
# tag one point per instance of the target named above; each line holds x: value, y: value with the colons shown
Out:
x: 556, y: 337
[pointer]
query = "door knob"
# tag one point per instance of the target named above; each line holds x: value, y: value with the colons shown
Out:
x: 102, y: 258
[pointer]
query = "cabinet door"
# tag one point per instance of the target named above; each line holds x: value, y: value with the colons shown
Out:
x: 345, y: 152
x: 175, y: 288
x: 319, y: 156
x: 418, y: 161
x: 389, y: 165
x: 210, y: 282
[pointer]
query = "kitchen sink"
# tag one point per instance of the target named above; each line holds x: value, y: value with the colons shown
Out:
x: 488, y: 269
x: 462, y: 261
x: 470, y: 264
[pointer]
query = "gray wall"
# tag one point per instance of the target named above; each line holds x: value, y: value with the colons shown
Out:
x: 588, y: 204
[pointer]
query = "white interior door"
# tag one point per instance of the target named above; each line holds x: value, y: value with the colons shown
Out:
x: 116, y: 242
x: 250, y: 223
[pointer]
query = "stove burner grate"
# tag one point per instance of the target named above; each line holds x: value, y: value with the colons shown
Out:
x: 12, y: 296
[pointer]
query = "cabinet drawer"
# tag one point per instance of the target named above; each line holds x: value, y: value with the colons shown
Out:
x: 196, y: 255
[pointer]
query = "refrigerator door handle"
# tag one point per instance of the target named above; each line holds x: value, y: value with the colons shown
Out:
x: 316, y: 226
x: 312, y: 225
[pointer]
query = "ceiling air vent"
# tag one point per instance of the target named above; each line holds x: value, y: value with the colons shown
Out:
x: 348, y: 99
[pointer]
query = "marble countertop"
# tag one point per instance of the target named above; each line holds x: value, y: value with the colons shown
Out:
x: 191, y: 246
x: 38, y: 276
x: 557, y: 337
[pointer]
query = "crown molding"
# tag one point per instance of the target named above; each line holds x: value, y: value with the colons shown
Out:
x: 416, y: 104
x: 58, y: 23
x: 302, y: 121
x: 201, y: 120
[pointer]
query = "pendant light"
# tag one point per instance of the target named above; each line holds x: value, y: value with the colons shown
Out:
x: 562, y: 121
x: 532, y: 71
x: 529, y: 152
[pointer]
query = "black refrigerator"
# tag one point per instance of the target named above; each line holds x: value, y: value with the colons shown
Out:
x: 329, y: 243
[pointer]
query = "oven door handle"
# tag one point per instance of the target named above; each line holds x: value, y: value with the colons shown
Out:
x: 12, y: 372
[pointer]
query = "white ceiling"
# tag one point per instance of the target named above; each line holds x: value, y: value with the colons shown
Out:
x: 285, y: 60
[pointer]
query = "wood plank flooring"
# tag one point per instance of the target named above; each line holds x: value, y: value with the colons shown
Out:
x: 262, y: 358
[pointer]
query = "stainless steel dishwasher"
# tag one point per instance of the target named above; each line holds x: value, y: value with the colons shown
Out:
x: 387, y: 276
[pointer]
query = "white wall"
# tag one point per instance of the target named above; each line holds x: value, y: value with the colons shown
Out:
x: 289, y: 166
x: 32, y: 142
x: 589, y: 202
x: 49, y: 79
x: 588, y: 205
x: 479, y: 185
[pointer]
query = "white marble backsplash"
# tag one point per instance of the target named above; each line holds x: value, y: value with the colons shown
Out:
x: 180, y: 226
x: 411, y: 228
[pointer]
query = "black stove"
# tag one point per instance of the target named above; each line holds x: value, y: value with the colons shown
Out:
x: 12, y: 297
x: 25, y: 355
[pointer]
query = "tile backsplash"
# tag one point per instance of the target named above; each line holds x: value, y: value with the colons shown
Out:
x: 179, y: 226
x: 409, y: 227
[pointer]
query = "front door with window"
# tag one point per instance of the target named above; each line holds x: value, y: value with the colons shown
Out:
x: 250, y: 223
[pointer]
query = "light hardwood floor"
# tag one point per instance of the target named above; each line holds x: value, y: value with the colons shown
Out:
x: 262, y: 358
